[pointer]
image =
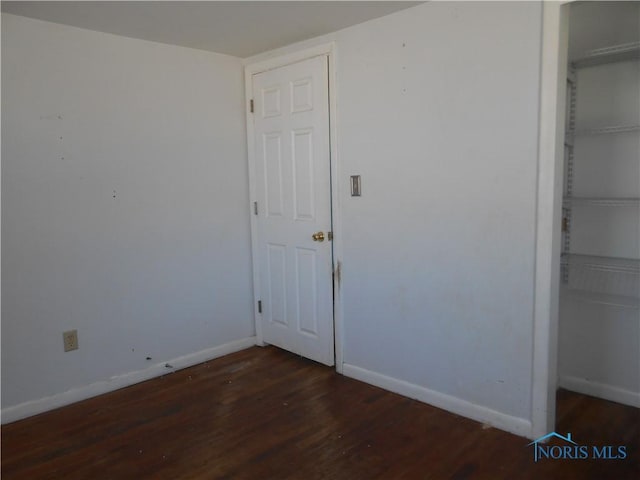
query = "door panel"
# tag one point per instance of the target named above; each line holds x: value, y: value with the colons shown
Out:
x: 303, y: 177
x: 273, y: 168
x: 291, y: 125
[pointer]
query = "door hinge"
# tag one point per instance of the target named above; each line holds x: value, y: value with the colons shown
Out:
x: 259, y: 306
x: 565, y: 224
x: 255, y: 208
x: 251, y: 105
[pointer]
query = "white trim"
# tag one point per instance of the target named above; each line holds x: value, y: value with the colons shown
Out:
x: 553, y: 71
x: 34, y: 407
x: 516, y: 425
x: 336, y: 211
x: 600, y: 390
x: 257, y: 295
x: 287, y: 59
x: 328, y: 49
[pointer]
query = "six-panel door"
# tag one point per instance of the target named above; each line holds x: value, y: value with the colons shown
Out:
x: 291, y: 125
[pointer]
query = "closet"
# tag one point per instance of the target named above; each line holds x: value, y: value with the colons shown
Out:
x: 599, y: 323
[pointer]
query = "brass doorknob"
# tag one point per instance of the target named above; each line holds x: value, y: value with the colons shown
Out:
x: 318, y: 236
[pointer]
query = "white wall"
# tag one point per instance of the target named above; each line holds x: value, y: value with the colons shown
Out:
x: 124, y: 210
x: 437, y: 110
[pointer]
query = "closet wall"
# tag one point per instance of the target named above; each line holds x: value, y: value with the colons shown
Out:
x: 599, y: 300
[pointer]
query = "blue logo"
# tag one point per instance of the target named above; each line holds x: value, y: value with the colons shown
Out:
x: 571, y: 450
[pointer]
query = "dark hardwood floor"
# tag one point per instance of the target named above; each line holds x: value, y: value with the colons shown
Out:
x: 266, y: 414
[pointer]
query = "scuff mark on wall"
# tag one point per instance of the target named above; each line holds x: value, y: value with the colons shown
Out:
x: 337, y: 276
x: 51, y: 117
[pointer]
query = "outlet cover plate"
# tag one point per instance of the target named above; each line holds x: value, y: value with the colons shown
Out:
x: 70, y: 340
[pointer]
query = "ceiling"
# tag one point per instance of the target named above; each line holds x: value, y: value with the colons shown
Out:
x: 240, y: 28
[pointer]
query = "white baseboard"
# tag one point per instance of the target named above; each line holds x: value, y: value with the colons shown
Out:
x: 516, y: 425
x: 600, y: 390
x: 34, y: 407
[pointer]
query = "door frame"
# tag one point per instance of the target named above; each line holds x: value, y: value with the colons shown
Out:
x: 553, y: 78
x: 328, y: 50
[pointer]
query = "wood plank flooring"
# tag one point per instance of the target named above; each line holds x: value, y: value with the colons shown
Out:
x: 266, y: 414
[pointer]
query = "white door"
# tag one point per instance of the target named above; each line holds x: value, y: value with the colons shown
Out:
x: 293, y: 192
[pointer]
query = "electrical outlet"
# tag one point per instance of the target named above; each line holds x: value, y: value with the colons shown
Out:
x: 70, y: 339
